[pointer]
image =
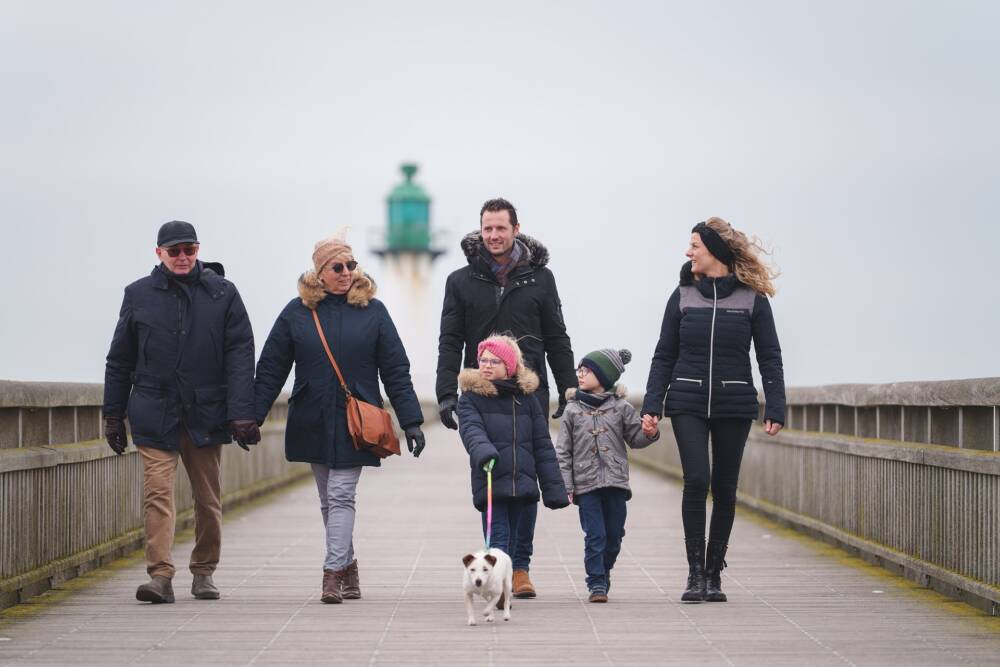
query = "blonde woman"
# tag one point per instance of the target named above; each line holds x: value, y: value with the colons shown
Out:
x: 701, y: 369
x: 366, y: 345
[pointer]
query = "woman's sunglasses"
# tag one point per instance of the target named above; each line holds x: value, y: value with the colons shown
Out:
x: 175, y: 251
x: 337, y: 267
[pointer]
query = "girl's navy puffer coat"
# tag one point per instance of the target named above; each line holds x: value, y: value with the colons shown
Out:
x: 702, y: 361
x: 502, y: 420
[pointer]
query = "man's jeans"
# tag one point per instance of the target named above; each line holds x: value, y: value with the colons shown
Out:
x: 337, y: 488
x: 602, y: 516
x: 159, y: 468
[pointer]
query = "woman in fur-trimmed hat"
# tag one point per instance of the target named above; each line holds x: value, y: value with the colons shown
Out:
x: 365, y: 344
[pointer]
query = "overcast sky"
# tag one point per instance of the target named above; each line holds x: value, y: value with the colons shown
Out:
x: 859, y: 139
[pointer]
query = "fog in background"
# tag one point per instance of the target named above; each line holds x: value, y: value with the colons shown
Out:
x: 857, y: 139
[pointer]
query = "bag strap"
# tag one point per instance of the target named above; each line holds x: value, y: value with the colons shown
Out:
x: 329, y: 355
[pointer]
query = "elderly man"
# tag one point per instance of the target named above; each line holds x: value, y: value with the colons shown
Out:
x: 507, y: 288
x: 181, y: 368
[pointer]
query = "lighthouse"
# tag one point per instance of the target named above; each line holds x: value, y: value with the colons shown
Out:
x: 408, y: 254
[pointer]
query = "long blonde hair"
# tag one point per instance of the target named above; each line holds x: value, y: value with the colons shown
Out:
x: 746, y: 264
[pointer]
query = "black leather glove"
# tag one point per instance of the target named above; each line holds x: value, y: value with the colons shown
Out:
x: 562, y: 406
x: 556, y: 502
x: 447, y: 411
x: 414, y: 440
x: 245, y: 432
x: 114, y: 433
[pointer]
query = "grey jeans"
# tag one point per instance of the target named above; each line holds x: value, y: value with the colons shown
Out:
x: 337, y: 488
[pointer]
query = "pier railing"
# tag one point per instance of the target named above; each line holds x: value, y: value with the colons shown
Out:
x: 68, y: 504
x: 906, y: 475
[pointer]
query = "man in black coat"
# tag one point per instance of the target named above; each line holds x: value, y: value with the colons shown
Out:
x: 505, y: 288
x: 180, y: 368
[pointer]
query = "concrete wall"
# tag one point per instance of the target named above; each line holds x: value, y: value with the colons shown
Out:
x: 906, y: 475
x: 68, y: 504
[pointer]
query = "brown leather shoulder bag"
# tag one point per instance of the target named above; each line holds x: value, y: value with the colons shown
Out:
x: 369, y: 425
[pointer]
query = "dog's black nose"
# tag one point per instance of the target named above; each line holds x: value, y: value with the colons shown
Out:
x: 479, y: 582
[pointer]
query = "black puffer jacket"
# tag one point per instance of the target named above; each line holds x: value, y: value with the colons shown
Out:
x: 181, y: 357
x: 702, y: 361
x: 502, y: 420
x: 528, y: 308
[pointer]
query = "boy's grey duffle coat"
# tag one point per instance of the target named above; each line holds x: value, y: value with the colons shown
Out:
x: 591, y: 442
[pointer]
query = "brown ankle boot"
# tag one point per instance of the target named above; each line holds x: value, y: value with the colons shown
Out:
x: 332, y: 587
x: 352, y: 582
x: 522, y: 585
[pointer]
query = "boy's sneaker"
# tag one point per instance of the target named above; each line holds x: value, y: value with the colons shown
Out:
x: 598, y: 595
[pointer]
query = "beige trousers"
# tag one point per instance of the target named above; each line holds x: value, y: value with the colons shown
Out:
x: 159, y: 468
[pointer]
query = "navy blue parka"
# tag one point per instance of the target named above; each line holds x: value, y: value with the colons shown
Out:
x: 503, y: 420
x: 366, y: 345
x: 181, y: 358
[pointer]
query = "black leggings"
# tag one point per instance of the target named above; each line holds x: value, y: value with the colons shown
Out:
x: 729, y: 436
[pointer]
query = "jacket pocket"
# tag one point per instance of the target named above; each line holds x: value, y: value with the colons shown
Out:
x: 146, y: 408
x: 690, y: 380
x: 735, y: 383
x: 210, y: 406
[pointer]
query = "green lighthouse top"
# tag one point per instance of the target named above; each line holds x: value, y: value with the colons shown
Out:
x: 409, y: 229
x: 408, y: 191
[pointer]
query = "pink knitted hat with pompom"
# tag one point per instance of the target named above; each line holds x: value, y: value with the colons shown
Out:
x: 503, y: 350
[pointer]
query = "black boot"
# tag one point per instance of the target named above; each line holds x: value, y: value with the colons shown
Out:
x: 695, y: 591
x: 715, y: 561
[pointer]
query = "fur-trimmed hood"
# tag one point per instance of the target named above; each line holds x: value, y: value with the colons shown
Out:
x: 311, y: 291
x: 471, y: 380
x: 537, y: 254
x: 619, y: 392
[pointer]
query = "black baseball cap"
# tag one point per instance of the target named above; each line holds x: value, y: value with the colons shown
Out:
x: 174, y: 232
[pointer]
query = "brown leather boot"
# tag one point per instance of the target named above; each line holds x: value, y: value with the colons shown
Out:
x: 332, y: 587
x: 159, y: 590
x: 522, y: 585
x: 352, y: 582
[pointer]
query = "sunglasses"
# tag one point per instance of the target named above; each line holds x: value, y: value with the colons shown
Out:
x: 337, y: 267
x: 175, y: 251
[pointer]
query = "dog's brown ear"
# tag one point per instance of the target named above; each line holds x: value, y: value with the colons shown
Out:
x: 491, y: 559
x: 468, y: 559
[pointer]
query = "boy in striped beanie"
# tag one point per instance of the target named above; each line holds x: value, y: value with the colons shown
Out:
x: 597, y: 428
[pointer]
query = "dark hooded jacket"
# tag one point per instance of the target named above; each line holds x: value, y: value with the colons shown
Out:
x: 502, y: 420
x: 702, y: 361
x: 366, y: 345
x: 528, y: 308
x: 181, y: 358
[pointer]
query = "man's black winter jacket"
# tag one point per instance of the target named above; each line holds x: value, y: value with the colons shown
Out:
x: 182, y: 357
x: 528, y: 308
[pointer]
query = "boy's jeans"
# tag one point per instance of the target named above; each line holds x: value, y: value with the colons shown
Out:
x: 506, y: 517
x: 602, y: 516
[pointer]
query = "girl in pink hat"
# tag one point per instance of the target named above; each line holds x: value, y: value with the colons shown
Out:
x: 505, y: 430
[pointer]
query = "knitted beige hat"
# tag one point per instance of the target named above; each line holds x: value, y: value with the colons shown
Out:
x: 329, y: 248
